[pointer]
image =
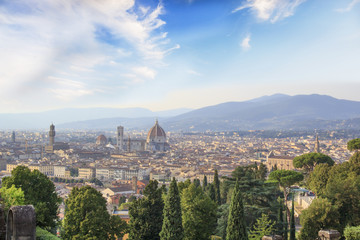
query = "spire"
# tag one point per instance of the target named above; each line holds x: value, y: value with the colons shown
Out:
x: 317, y: 144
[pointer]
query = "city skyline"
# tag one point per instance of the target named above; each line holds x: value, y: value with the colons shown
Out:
x: 174, y: 54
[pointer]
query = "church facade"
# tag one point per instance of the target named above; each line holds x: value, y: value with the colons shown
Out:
x: 155, y: 142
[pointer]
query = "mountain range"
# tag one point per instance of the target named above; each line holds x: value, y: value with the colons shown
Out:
x: 42, y: 120
x: 277, y: 111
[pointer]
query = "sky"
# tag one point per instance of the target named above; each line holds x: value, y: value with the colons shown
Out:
x: 174, y: 53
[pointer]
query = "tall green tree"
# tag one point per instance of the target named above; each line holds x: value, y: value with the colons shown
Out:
x: 318, y: 178
x: 198, y: 214
x: 86, y: 216
x: 211, y: 192
x: 12, y: 197
x: 217, y: 188
x: 222, y: 218
x: 343, y: 190
x: 39, y: 191
x: 352, y: 233
x: 281, y: 221
x: 258, y: 196
x: 309, y: 160
x: 197, y: 182
x: 321, y: 214
x: 286, y: 229
x: 285, y: 179
x: 183, y: 185
x: 353, y: 144
x: 205, y: 183
x: 340, y: 184
x: 97, y: 182
x: 236, y: 227
x: 172, y: 228
x: 146, y: 214
x: 292, y: 221
x: 263, y: 226
x: 261, y: 171
x: 275, y: 167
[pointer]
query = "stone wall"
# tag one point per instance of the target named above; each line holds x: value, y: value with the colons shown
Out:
x: 20, y: 224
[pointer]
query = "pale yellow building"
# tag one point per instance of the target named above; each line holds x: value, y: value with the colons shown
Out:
x: 10, y: 167
x: 281, y: 162
x: 59, y: 171
x: 86, y: 173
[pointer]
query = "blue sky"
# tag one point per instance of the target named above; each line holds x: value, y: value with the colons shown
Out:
x: 174, y: 53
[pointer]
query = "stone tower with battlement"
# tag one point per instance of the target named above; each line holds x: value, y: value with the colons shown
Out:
x: 120, y: 138
x: 52, y: 135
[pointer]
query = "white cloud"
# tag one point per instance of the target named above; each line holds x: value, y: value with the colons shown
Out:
x: 245, y: 43
x: 349, y: 7
x: 74, y: 39
x: 67, y: 90
x: 193, y: 72
x: 144, y: 72
x: 273, y: 10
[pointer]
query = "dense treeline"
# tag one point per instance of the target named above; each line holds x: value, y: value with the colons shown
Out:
x: 337, y: 188
x: 39, y: 191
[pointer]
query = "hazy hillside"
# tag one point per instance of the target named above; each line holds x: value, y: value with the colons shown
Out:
x: 44, y: 119
x: 278, y: 111
x: 270, y: 112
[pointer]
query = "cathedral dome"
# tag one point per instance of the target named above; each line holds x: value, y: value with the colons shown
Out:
x: 101, y: 140
x: 156, y: 134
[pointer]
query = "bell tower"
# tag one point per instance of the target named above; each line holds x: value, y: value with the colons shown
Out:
x: 52, y: 135
x: 317, y: 144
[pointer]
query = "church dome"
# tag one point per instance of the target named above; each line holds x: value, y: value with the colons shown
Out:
x: 156, y: 134
x: 101, y: 140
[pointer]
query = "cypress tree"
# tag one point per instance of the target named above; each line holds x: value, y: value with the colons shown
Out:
x: 292, y: 221
x: 275, y: 167
x: 204, y: 183
x: 236, y: 228
x: 285, y: 229
x: 217, y: 188
x: 196, y: 182
x: 212, y: 192
x: 172, y: 228
x: 280, y: 219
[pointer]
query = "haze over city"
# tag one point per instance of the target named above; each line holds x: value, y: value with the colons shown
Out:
x: 174, y: 54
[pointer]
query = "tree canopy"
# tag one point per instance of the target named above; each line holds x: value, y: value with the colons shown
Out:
x: 198, y: 213
x: 86, y: 216
x: 340, y: 184
x: 236, y: 226
x: 39, y: 191
x: 146, y: 214
x: 343, y: 190
x: 353, y: 144
x: 216, y: 184
x: 97, y: 182
x: 318, y: 179
x: 258, y: 196
x: 263, y: 226
x: 352, y: 233
x: 172, y: 224
x: 12, y: 197
x: 285, y: 179
x: 321, y: 214
x: 309, y: 160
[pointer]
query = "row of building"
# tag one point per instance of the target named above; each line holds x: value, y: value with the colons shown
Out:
x: 86, y: 172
